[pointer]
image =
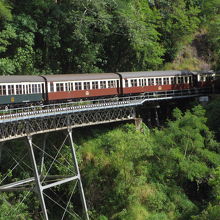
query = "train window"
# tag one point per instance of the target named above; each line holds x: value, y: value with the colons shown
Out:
x: 126, y: 83
x: 51, y: 87
x: 3, y: 90
x: 111, y: 84
x: 78, y: 86
x: 133, y: 82
x: 140, y: 82
x: 34, y: 88
x: 95, y: 85
x: 26, y: 89
x: 203, y: 78
x: 190, y: 79
x: 151, y: 82
x: 18, y: 89
x: 158, y: 81
x: 22, y: 89
x: 71, y: 86
x: 29, y: 89
x: 209, y: 78
x: 180, y: 79
x: 144, y: 82
x: 39, y: 88
x: 66, y: 87
x: 102, y: 84
x: 173, y: 80
x: 165, y: 81
x: 186, y: 79
x: 86, y: 85
x: 59, y: 87
x: 10, y: 89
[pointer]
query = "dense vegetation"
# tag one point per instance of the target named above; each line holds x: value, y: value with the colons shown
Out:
x: 171, y: 172
x: 67, y: 36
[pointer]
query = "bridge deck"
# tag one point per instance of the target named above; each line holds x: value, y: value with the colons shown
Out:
x: 16, y: 123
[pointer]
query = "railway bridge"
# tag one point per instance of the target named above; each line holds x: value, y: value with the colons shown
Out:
x: 30, y: 123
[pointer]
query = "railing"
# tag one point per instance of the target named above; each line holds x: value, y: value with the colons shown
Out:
x: 60, y: 108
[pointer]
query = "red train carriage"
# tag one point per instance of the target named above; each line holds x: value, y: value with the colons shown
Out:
x: 153, y: 81
x: 74, y: 86
x: 150, y: 81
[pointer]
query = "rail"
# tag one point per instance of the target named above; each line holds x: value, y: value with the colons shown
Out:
x: 86, y: 105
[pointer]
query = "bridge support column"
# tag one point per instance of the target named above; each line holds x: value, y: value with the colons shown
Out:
x: 156, y: 115
x: 39, y: 188
x: 138, y: 122
x: 82, y: 195
x: 43, y: 153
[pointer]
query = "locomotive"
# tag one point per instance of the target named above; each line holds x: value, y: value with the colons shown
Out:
x: 19, y: 90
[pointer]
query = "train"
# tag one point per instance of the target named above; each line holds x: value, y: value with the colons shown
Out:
x: 23, y: 90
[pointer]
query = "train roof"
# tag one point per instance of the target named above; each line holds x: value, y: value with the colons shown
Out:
x: 155, y: 73
x: 78, y: 77
x: 20, y: 78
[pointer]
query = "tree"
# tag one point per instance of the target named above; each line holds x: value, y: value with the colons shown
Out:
x: 5, y: 11
x: 179, y: 22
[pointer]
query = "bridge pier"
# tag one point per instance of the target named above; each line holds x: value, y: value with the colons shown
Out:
x: 44, y: 180
x: 43, y: 153
x: 82, y: 195
x: 157, y: 116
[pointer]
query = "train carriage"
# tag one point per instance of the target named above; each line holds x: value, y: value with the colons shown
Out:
x: 151, y: 81
x: 75, y: 86
x: 21, y: 89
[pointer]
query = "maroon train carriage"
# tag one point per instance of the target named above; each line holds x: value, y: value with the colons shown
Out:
x: 152, y: 81
x: 75, y: 86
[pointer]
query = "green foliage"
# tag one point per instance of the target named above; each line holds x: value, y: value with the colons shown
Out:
x: 215, y: 183
x: 16, y: 46
x: 179, y: 22
x: 13, y: 209
x: 139, y: 21
x: 116, y: 163
x: 188, y: 146
x: 211, y: 213
x: 213, y: 115
x: 146, y: 175
x: 5, y: 11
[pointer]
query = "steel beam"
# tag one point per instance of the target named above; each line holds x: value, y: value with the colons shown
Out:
x: 16, y: 184
x: 43, y: 153
x: 39, y: 188
x: 78, y: 174
x: 66, y: 180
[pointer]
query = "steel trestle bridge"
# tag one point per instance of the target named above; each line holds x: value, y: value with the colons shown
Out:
x: 30, y: 121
